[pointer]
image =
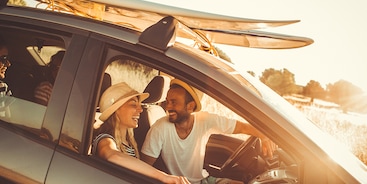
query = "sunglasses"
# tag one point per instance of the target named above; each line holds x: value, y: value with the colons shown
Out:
x: 5, y: 60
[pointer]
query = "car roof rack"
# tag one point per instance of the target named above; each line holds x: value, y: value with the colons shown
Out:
x: 163, y: 35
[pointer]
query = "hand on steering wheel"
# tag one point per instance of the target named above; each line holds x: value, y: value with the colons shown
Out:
x: 268, y: 147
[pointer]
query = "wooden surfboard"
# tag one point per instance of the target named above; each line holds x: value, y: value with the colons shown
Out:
x: 139, y: 15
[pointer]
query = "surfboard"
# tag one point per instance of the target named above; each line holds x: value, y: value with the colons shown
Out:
x: 193, y: 19
x: 220, y: 29
x: 256, y: 39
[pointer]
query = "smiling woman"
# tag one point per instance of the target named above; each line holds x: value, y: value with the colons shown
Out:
x: 120, y: 107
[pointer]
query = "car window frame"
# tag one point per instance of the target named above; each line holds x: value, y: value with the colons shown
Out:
x: 28, y: 139
x: 83, y: 100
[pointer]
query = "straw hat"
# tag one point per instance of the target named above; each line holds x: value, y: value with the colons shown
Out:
x: 115, y: 96
x: 196, y: 94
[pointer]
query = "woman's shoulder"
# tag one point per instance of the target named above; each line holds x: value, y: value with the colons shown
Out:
x: 98, y: 139
x: 103, y: 135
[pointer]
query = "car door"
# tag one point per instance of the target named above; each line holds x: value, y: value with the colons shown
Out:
x: 72, y: 161
x: 49, y: 144
x: 29, y: 131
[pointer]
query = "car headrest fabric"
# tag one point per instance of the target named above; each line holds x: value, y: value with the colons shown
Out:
x: 157, y: 89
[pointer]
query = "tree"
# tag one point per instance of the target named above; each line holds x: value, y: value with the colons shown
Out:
x: 281, y: 81
x: 313, y: 89
x: 344, y: 93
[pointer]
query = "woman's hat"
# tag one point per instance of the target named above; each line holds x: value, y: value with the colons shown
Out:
x: 195, y: 93
x: 115, y: 96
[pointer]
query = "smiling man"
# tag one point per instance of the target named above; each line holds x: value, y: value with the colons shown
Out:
x: 181, y: 136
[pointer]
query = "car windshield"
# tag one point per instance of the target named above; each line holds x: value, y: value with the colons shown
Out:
x: 282, y: 106
x: 294, y: 116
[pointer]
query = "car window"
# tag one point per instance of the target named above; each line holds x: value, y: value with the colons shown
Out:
x: 43, y: 55
x: 124, y: 68
x: 31, y: 72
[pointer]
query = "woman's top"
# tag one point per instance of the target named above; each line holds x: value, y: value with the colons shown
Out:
x: 127, y: 149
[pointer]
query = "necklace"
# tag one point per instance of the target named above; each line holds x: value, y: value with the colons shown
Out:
x: 129, y: 149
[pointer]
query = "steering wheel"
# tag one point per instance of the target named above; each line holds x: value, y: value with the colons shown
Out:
x: 246, y: 146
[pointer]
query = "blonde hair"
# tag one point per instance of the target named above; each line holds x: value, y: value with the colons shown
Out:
x: 129, y: 136
x: 112, y: 126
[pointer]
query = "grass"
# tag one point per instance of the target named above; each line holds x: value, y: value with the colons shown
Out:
x: 349, y: 129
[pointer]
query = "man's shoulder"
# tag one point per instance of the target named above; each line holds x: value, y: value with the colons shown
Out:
x: 204, y: 114
x: 163, y: 121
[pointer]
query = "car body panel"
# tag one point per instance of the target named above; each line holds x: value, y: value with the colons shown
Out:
x: 22, y: 156
x: 66, y: 168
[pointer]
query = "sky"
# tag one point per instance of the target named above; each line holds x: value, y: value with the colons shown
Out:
x: 338, y: 28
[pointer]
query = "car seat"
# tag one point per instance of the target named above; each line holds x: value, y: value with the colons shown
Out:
x: 106, y: 83
x: 152, y: 109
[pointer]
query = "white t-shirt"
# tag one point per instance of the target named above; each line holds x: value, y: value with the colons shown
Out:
x: 185, y: 157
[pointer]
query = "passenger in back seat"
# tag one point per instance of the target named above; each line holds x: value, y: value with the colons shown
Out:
x: 43, y: 91
x: 4, y: 64
x: 4, y: 89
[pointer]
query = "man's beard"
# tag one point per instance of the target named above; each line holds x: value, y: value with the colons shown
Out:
x: 180, y: 117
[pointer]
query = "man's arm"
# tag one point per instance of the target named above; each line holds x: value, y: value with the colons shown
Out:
x: 147, y: 159
x: 267, y: 145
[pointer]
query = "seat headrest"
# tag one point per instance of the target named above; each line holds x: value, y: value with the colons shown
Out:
x: 106, y: 83
x: 157, y: 89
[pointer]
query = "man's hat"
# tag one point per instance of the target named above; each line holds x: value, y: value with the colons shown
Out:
x: 195, y: 93
x: 115, y: 96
